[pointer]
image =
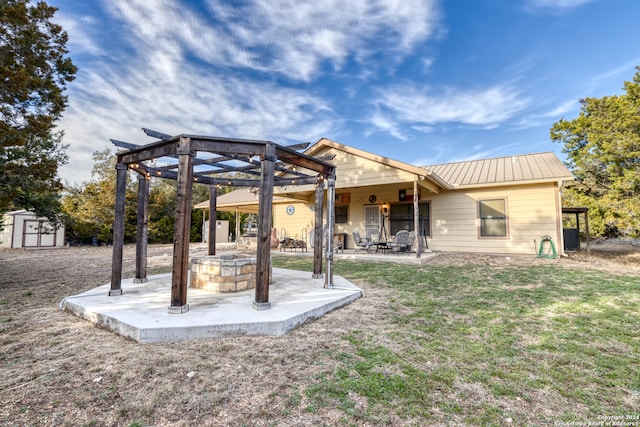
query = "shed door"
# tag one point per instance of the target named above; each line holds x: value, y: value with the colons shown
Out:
x: 30, y: 233
x: 38, y: 233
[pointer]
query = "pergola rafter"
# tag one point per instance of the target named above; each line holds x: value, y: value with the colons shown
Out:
x: 272, y: 165
x: 218, y: 163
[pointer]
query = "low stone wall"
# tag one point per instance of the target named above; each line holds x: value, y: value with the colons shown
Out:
x: 223, y: 273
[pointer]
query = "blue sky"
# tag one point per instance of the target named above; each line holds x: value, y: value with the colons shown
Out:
x: 423, y: 82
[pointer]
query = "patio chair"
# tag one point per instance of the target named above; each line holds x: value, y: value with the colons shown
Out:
x: 400, y: 242
x: 360, y: 242
x: 374, y: 238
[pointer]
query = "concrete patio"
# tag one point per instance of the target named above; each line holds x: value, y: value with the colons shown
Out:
x: 141, y: 312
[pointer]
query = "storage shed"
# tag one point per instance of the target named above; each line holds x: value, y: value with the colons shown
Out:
x: 23, y: 229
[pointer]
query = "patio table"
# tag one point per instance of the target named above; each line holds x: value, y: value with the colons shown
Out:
x: 382, y: 246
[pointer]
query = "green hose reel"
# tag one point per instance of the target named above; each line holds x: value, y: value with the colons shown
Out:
x: 547, y: 248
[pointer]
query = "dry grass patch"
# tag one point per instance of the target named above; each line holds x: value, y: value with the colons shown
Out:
x: 465, y: 340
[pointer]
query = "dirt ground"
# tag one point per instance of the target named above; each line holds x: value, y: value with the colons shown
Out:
x: 58, y: 370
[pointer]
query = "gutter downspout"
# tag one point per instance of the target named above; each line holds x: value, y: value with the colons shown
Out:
x: 559, y: 232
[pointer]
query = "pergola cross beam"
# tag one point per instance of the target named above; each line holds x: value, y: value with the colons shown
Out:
x: 252, y: 167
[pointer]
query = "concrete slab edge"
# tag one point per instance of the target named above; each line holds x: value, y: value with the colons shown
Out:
x: 188, y: 333
x: 271, y: 328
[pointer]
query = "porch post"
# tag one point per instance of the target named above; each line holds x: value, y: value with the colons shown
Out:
x: 586, y: 230
x: 317, y: 230
x: 416, y: 218
x: 204, y: 223
x: 142, y: 229
x: 237, y: 227
x: 213, y: 201
x: 331, y: 197
x: 118, y: 230
x: 263, y: 259
x: 182, y: 229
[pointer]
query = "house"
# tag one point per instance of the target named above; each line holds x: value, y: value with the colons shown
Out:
x: 498, y: 205
x: 23, y: 229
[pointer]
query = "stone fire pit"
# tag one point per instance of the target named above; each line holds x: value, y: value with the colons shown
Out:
x: 223, y: 273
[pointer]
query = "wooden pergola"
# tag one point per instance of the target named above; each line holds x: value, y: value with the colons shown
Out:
x: 203, y: 159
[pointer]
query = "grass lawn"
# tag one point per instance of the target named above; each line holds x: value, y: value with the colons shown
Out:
x: 480, y: 345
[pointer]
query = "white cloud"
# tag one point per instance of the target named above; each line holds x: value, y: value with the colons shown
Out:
x: 557, y: 5
x: 162, y: 91
x: 619, y: 73
x: 146, y: 75
x: 80, y: 41
x: 486, y: 108
x: 192, y: 104
x: 286, y: 36
x: 289, y: 37
x: 562, y: 109
x: 386, y: 124
x: 427, y: 63
x: 295, y: 38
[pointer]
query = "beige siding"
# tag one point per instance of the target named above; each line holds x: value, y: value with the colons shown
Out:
x: 297, y: 225
x: 353, y: 170
x: 531, y: 214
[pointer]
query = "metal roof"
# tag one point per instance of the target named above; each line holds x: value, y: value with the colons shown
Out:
x: 519, y: 169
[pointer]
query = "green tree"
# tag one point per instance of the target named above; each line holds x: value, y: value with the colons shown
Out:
x: 603, y: 152
x: 34, y: 71
x: 162, y: 210
x: 88, y: 208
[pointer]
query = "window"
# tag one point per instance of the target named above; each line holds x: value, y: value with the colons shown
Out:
x: 401, y: 218
x: 341, y: 214
x: 493, y: 218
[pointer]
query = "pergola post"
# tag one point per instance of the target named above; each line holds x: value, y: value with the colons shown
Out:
x: 142, y: 229
x: 213, y: 200
x: 331, y: 197
x: 416, y: 218
x: 182, y: 230
x: 263, y: 259
x: 317, y: 230
x: 118, y: 230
